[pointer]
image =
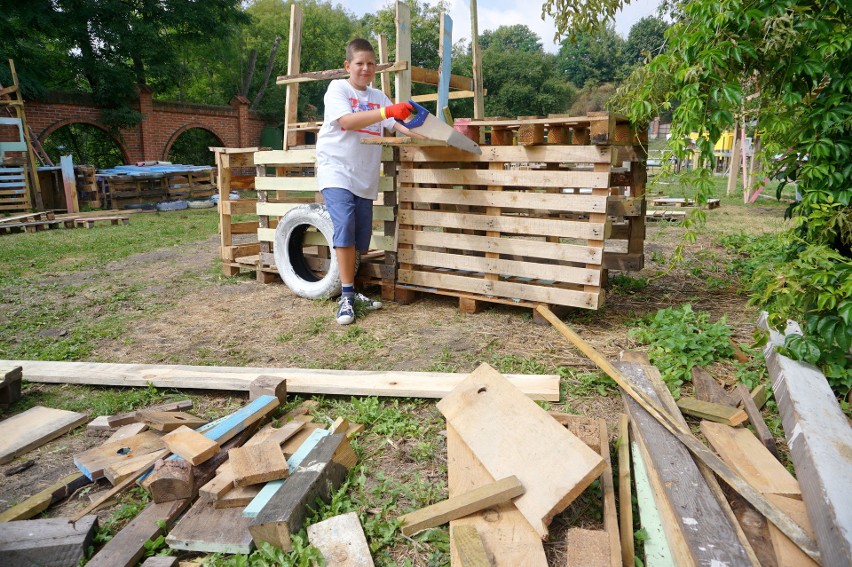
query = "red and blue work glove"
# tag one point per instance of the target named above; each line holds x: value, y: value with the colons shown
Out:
x: 400, y: 111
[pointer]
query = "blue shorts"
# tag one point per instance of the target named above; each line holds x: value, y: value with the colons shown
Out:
x: 352, y: 217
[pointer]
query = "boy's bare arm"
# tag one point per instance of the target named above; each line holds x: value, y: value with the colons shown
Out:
x: 358, y: 120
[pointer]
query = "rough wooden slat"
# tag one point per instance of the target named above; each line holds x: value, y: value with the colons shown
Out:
x: 714, y: 412
x: 132, y: 416
x: 299, y: 381
x: 707, y: 389
x: 462, y: 505
x: 161, y: 561
x: 268, y: 386
x: 787, y: 554
x: 609, y: 511
x: 507, y: 431
x: 33, y: 428
x: 341, y: 541
x: 625, y: 495
x: 53, y: 542
x: 586, y: 429
x: 656, y: 546
x: 167, y: 421
x: 207, y: 529
x: 756, y: 420
x: 190, y: 445
x: 40, y: 502
x: 820, y: 440
x: 126, y: 431
x: 257, y: 464
x: 469, y: 545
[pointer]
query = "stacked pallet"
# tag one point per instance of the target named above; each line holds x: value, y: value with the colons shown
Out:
x: 87, y: 186
x: 134, y: 185
x: 235, y: 171
x: 534, y: 219
x: 14, y: 189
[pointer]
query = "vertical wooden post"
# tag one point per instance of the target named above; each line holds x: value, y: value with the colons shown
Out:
x: 403, y: 51
x: 291, y: 103
x: 69, y: 183
x: 383, y: 58
x: 19, y: 109
x: 478, y: 102
x: 445, y: 51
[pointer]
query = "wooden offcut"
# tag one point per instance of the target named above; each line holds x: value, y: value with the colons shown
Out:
x: 756, y: 420
x: 507, y: 431
x: 133, y: 416
x: 712, y: 411
x: 341, y: 541
x: 322, y: 471
x: 40, y: 502
x: 53, y: 541
x: 585, y: 428
x: 190, y: 445
x: 33, y: 428
x: 462, y: 505
x: 268, y: 386
x: 94, y: 461
x: 167, y: 421
x: 207, y: 529
x: 707, y: 389
x: 171, y: 480
x: 126, y: 431
x: 257, y: 464
x: 120, y: 470
x: 10, y: 385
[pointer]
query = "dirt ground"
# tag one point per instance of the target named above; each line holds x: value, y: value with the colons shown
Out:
x: 186, y: 312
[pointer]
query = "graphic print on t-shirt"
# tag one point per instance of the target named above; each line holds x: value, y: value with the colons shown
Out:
x: 363, y: 106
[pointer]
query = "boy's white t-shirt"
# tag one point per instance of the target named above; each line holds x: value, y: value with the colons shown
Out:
x: 342, y: 160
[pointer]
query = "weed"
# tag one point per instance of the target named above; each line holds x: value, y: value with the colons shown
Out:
x: 316, y: 325
x: 629, y: 284
x: 585, y: 383
x: 513, y: 364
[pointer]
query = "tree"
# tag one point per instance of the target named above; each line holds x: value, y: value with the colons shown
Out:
x: 511, y: 38
x: 645, y: 40
x: 596, y: 56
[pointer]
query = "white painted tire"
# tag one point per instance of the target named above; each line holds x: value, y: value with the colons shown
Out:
x: 290, y: 258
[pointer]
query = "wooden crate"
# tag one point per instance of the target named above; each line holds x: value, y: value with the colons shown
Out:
x: 526, y: 222
x: 285, y: 180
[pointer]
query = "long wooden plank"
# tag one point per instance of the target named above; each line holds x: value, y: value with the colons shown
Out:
x: 127, y: 547
x: 552, y: 202
x: 625, y: 496
x: 707, y: 389
x: 506, y: 177
x: 462, y: 505
x: 509, y: 540
x: 747, y: 456
x: 341, y: 541
x: 756, y: 420
x: 52, y: 541
x: 511, y: 268
x: 507, y: 431
x: 304, y: 184
x: 609, y: 511
x: 299, y: 381
x: 513, y: 154
x: 377, y: 242
x: 820, y: 440
x: 33, y: 428
x: 41, y: 501
x: 535, y: 248
x: 550, y: 295
x: 471, y: 550
x: 207, y: 529
x: 786, y: 552
x: 507, y: 224
x: 656, y: 546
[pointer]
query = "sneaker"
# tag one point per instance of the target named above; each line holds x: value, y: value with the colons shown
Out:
x: 345, y: 311
x: 368, y: 303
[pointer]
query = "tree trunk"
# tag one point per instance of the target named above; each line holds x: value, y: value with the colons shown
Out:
x: 252, y: 63
x: 269, y: 64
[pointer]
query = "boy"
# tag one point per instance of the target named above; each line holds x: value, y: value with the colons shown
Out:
x: 348, y: 171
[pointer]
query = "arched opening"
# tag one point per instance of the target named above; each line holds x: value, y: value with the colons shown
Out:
x: 86, y: 143
x: 190, y: 147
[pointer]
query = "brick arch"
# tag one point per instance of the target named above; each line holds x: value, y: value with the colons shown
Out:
x: 42, y: 137
x: 186, y: 127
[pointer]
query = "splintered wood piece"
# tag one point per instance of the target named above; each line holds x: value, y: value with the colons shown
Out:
x: 585, y: 428
x: 506, y: 535
x: 587, y: 548
x: 171, y: 480
x: 40, y: 502
x: 94, y: 461
x: 462, y: 505
x: 117, y: 472
x: 713, y: 412
x: 132, y: 416
x: 481, y: 409
x: 322, y: 471
x: 760, y: 428
x: 51, y: 541
x: 257, y: 464
x: 33, y: 428
x: 267, y: 385
x: 707, y: 389
x: 341, y: 541
x: 169, y: 420
x: 750, y: 459
x: 126, y: 431
x: 127, y: 547
x: 787, y: 553
x: 190, y: 445
x: 238, y: 497
x: 469, y: 546
x: 206, y: 529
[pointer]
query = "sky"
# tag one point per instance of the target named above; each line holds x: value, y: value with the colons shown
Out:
x: 495, y: 13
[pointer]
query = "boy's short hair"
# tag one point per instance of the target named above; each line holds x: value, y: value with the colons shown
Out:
x: 358, y: 44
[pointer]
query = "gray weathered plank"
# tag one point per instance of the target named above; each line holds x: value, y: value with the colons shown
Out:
x: 52, y: 542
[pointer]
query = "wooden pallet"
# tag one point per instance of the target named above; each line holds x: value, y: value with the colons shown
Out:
x: 89, y: 222
x: 682, y: 202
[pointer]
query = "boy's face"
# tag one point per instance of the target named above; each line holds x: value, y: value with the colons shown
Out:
x: 362, y: 69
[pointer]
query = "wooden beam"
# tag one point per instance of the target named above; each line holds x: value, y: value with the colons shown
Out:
x: 336, y: 74
x: 760, y: 428
x: 38, y: 503
x: 776, y: 516
x: 402, y: 79
x: 293, y: 65
x: 462, y: 505
x: 268, y: 386
x: 33, y: 428
x: 341, y: 541
x: 820, y: 440
x: 299, y: 380
x: 52, y: 541
x: 507, y: 431
x: 431, y: 77
x: 713, y: 412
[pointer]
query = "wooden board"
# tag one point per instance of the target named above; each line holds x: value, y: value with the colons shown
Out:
x: 707, y: 389
x: 509, y: 540
x: 656, y: 545
x: 209, y: 530
x: 341, y: 541
x: 507, y: 431
x: 33, y: 428
x: 238, y: 497
x: 510, y: 225
x: 133, y: 416
x: 40, y: 502
x: 750, y: 459
x: 698, y: 529
x: 625, y: 493
x: 94, y: 461
x: 126, y: 431
x: 585, y: 428
x: 127, y: 547
x: 190, y: 445
x: 756, y: 420
x: 462, y: 505
x: 820, y: 440
x: 258, y: 463
x: 610, y: 513
x: 711, y: 411
x: 53, y: 541
x: 118, y: 471
x: 169, y: 420
x: 299, y: 381
x: 788, y: 554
